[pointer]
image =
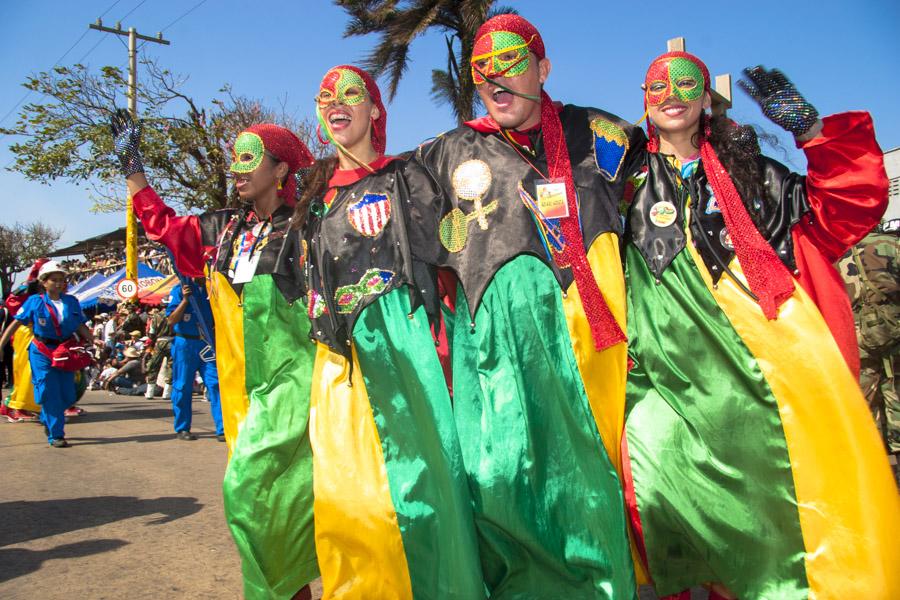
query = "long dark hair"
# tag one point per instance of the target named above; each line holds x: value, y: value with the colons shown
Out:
x: 315, y: 184
x: 737, y: 147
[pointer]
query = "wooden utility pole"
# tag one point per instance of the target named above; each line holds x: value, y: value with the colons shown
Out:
x: 721, y: 89
x: 130, y: 221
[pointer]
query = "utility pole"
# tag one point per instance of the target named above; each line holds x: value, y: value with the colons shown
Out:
x: 721, y: 90
x: 130, y: 221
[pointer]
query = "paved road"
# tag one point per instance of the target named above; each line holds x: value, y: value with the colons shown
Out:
x: 127, y: 511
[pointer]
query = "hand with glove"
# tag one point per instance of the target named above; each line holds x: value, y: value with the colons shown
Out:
x: 781, y: 102
x: 127, y: 141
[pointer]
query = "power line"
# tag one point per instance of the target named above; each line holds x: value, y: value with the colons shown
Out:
x: 186, y: 13
x: 60, y: 59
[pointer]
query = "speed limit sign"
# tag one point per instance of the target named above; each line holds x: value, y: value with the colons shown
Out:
x: 127, y: 289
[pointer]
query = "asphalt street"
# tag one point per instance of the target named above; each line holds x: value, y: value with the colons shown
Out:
x: 127, y: 511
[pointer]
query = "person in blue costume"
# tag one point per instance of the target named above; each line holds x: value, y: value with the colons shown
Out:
x: 191, y: 353
x: 54, y: 318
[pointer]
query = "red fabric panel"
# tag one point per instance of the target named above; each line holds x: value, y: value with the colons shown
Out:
x: 847, y: 190
x: 846, y: 184
x: 181, y: 235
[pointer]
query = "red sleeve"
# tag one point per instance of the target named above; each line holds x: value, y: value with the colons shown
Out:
x: 181, y: 235
x: 847, y: 191
x: 846, y: 185
x: 14, y: 302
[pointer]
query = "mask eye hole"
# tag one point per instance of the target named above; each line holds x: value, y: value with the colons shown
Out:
x: 325, y: 97
x: 657, y: 87
x: 482, y: 64
x: 508, y: 56
x: 352, y: 93
x: 245, y: 157
x: 686, y: 83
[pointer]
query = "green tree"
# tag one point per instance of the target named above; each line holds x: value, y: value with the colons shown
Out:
x: 20, y: 246
x: 186, y: 147
x: 398, y: 23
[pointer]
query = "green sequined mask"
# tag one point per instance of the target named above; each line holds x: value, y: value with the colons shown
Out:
x: 248, y: 153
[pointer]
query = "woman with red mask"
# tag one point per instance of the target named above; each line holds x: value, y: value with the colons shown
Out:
x: 392, y: 513
x: 752, y: 462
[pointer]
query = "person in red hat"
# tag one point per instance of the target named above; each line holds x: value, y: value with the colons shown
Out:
x: 526, y: 214
x: 752, y: 461
x: 392, y: 509
x: 253, y: 258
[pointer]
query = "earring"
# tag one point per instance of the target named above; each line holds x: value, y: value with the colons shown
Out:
x: 279, y: 187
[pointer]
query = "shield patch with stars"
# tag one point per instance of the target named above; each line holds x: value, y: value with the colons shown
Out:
x: 369, y: 215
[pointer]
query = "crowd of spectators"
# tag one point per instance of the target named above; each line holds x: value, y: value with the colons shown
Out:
x: 110, y: 259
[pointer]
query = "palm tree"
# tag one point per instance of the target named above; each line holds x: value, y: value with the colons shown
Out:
x: 398, y: 23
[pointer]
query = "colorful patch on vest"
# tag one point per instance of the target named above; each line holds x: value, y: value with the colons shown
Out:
x: 373, y: 281
x: 713, y: 205
x: 610, y: 147
x: 316, y: 306
x: 371, y: 214
x: 471, y: 182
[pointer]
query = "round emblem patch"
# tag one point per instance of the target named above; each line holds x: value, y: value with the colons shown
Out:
x: 725, y: 239
x: 663, y: 213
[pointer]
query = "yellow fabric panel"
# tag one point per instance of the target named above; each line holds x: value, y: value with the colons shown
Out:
x: 604, y: 372
x: 22, y: 396
x: 358, y: 541
x: 229, y: 320
x: 848, y: 501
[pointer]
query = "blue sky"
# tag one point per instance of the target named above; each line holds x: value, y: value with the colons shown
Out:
x: 841, y: 55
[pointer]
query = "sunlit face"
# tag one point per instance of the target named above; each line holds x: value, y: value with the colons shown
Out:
x: 504, y: 58
x: 675, y: 94
x: 54, y: 283
x: 499, y: 54
x: 256, y: 172
x: 673, y: 77
x: 346, y: 107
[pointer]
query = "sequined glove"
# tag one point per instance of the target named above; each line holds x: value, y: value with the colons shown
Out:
x: 127, y: 141
x: 779, y: 99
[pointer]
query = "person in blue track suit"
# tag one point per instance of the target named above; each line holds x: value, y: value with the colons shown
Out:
x: 189, y: 355
x: 53, y: 317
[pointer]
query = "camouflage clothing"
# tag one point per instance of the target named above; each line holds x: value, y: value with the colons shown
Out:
x: 161, y: 333
x: 871, y: 271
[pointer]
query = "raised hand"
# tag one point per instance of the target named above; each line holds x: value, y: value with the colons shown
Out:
x: 779, y: 99
x: 127, y: 141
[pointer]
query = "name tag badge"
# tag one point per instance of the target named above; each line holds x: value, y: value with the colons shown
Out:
x: 551, y: 198
x: 245, y: 268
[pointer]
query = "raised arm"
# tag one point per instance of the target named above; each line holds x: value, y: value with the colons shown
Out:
x: 846, y: 185
x: 181, y: 235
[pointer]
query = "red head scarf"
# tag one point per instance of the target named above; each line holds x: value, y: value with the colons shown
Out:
x: 490, y: 39
x: 36, y: 268
x: 769, y: 279
x: 285, y: 147
x: 332, y: 82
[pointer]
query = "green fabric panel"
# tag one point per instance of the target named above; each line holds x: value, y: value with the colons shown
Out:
x: 711, y: 470
x: 268, y: 484
x: 548, y: 504
x: 412, y: 411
